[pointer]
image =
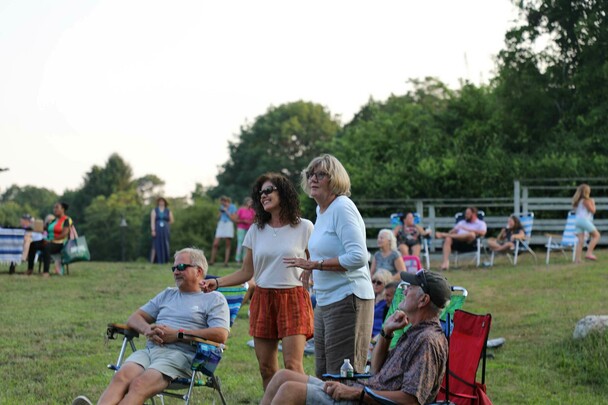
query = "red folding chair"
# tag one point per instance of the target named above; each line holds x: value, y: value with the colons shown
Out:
x: 467, y: 347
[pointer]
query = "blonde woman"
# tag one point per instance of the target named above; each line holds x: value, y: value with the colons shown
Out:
x: 380, y: 280
x: 387, y: 257
x: 584, y: 206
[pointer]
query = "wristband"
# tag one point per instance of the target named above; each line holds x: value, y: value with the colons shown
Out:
x: 384, y: 335
x: 180, y: 334
x: 217, y: 284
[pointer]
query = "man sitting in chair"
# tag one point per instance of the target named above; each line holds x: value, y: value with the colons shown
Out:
x: 167, y: 321
x: 411, y: 373
x: 462, y: 236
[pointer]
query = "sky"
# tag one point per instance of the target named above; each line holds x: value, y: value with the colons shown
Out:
x: 167, y: 84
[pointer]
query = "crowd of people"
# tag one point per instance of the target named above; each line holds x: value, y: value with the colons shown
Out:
x: 289, y: 259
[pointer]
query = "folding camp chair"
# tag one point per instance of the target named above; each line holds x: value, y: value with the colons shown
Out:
x: 425, y: 241
x: 467, y: 344
x: 567, y: 240
x: 459, y: 296
x: 475, y: 247
x: 208, y: 354
x: 527, y: 221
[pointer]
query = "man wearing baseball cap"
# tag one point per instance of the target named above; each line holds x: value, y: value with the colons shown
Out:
x: 411, y: 373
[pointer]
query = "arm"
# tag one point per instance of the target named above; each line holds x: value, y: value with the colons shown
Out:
x: 236, y: 278
x: 372, y: 267
x: 590, y: 205
x: 521, y: 235
x: 399, y: 264
x: 396, y: 321
x: 143, y: 323
x: 153, y: 222
x: 171, y: 220
x: 339, y: 391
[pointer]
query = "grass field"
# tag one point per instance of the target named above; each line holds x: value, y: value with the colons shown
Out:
x: 53, y: 331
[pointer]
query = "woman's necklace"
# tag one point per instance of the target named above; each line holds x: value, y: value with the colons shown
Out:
x: 275, y: 230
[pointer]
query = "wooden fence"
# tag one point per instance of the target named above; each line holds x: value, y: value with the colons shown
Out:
x: 438, y: 214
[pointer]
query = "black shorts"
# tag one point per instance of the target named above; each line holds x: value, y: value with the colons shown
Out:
x: 464, y: 246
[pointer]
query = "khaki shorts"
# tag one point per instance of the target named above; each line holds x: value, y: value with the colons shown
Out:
x: 172, y: 363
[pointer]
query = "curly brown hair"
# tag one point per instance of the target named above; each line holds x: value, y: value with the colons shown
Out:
x: 289, y: 200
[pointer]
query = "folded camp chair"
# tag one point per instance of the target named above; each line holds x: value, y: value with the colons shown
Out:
x: 467, y: 348
x: 567, y: 240
x: 208, y: 354
x: 527, y: 221
x: 475, y: 247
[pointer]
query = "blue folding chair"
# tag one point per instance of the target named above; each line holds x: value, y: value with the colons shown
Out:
x: 521, y: 246
x: 566, y: 241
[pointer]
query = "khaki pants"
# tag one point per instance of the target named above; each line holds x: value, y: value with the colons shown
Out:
x: 343, y: 330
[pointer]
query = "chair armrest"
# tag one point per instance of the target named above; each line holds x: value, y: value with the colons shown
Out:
x: 338, y: 377
x: 378, y: 398
x: 552, y: 235
x: 121, y: 329
x: 196, y: 339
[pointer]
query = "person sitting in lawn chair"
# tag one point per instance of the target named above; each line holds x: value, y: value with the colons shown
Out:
x: 462, y: 236
x: 168, y: 321
x: 411, y: 373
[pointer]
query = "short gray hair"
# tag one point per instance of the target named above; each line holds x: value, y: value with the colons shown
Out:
x: 197, y: 258
x: 391, y: 237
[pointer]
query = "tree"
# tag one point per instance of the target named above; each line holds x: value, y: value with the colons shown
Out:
x: 148, y: 187
x: 101, y: 181
x: 105, y: 237
x: 283, y: 140
x: 39, y: 201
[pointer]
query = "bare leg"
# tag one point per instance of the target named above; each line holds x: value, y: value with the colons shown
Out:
x: 447, y: 250
x: 120, y: 383
x: 595, y: 238
x: 281, y: 378
x: 148, y: 384
x: 404, y: 250
x: 267, y: 352
x: 579, y: 247
x: 416, y: 250
x: 293, y: 352
x: 227, y: 253
x: 216, y: 244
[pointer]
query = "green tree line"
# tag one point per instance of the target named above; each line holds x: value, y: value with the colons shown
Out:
x: 543, y: 115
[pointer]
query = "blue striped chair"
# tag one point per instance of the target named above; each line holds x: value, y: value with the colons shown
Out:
x: 566, y: 241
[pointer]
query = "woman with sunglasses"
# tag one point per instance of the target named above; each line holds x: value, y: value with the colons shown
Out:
x: 281, y: 308
x: 380, y: 280
x: 338, y: 254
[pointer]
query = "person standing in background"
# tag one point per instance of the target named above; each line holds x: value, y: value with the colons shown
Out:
x: 224, y: 230
x: 161, y: 218
x: 585, y: 208
x: 243, y: 218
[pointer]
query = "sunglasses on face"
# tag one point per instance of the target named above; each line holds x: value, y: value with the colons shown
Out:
x: 267, y: 191
x: 377, y: 282
x: 319, y: 175
x: 181, y: 267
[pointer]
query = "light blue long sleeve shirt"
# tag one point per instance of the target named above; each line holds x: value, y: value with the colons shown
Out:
x: 340, y: 232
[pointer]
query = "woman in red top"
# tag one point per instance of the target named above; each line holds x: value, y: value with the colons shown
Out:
x: 58, y: 231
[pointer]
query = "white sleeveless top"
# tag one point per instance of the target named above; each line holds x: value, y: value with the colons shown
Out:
x: 582, y: 211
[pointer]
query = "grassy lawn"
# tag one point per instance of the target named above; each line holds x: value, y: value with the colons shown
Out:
x: 53, y: 345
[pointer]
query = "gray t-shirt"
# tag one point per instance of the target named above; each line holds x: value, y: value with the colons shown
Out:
x: 188, y: 311
x: 388, y: 262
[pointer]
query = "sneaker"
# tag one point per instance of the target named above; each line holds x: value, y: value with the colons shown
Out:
x: 81, y: 400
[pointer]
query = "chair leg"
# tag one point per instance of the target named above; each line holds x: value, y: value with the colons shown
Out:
x: 516, y: 253
x: 492, y: 259
x: 548, y: 251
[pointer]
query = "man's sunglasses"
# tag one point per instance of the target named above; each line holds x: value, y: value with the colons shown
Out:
x: 181, y: 267
x: 267, y: 191
x: 319, y: 175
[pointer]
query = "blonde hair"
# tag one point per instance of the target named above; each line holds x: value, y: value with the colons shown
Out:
x: 197, y: 258
x: 383, y: 275
x: 339, y: 182
x: 391, y: 237
x: 583, y: 192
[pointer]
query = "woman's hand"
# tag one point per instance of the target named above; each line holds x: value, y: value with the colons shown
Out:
x: 298, y: 262
x: 208, y: 285
x: 305, y: 278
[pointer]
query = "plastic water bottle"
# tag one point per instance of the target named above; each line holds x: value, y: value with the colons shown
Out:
x: 347, y: 371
